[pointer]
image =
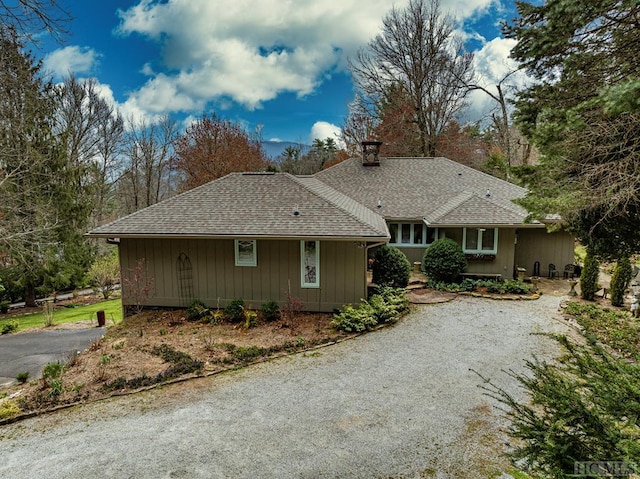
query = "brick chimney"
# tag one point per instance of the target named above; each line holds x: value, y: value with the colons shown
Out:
x: 371, y: 153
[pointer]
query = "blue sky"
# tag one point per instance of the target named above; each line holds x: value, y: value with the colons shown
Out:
x: 276, y: 63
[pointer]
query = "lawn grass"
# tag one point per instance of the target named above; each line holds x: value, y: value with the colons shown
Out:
x: 111, y: 308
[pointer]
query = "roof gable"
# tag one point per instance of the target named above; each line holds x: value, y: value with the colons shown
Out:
x: 253, y: 205
x: 430, y: 188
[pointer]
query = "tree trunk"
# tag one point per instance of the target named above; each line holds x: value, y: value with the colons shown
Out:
x: 30, y: 295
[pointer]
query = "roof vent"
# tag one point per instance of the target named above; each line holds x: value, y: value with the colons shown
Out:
x: 379, y: 205
x: 296, y: 211
x: 488, y: 194
x: 371, y: 153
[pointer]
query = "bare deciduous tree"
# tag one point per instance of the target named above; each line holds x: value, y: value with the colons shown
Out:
x: 91, y: 130
x: 146, y: 178
x: 359, y: 125
x: 31, y: 17
x: 418, y: 51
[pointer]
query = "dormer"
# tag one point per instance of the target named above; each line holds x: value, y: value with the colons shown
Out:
x: 371, y: 153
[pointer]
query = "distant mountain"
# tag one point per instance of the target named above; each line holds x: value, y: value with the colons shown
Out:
x: 273, y: 149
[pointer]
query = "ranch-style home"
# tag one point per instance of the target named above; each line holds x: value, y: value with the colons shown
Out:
x: 262, y: 236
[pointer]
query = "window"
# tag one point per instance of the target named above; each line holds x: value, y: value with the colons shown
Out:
x: 411, y: 235
x: 246, y: 254
x: 310, y: 263
x: 480, y: 240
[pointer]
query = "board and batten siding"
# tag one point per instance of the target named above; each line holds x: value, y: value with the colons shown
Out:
x: 548, y: 248
x: 211, y: 276
x: 502, y: 264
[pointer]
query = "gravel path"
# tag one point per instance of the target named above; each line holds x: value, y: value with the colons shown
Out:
x: 387, y: 404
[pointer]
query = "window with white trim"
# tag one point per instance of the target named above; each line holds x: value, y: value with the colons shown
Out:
x: 310, y: 263
x: 480, y: 240
x: 411, y: 235
x: 246, y: 253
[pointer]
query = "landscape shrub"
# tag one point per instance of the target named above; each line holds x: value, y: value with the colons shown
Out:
x: 620, y: 281
x: 444, y: 260
x: 394, y: 298
x: 234, y: 311
x: 384, y: 307
x: 355, y: 319
x: 10, y: 327
x: 391, y: 267
x: 22, y: 377
x: 52, y: 378
x: 589, y: 277
x: 4, y: 307
x: 250, y: 319
x: 247, y: 353
x: 508, y: 286
x: 270, y: 311
x: 182, y: 363
x: 581, y: 406
x: 198, y: 311
x: 8, y: 408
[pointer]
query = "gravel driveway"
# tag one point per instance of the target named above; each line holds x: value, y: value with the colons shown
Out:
x: 388, y: 404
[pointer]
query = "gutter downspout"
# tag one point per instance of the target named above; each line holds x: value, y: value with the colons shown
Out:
x: 366, y: 262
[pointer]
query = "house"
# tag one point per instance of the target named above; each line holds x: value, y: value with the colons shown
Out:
x: 263, y: 236
x: 423, y: 199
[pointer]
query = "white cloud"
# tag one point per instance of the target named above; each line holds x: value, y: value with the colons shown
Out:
x: 71, y: 59
x: 251, y: 51
x: 322, y: 130
x: 492, y: 65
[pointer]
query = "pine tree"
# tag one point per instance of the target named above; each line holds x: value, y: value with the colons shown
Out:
x: 42, y: 223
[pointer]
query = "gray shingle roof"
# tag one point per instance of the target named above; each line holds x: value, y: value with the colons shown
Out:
x: 253, y: 205
x: 437, y: 189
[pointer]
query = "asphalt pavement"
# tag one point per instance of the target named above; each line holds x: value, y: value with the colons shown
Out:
x: 30, y: 352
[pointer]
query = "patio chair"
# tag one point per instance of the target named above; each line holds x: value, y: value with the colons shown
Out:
x: 569, y: 271
x: 553, y: 272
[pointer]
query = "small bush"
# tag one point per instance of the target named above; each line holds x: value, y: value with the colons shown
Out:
x: 22, y: 377
x: 10, y: 327
x: 234, y: 311
x: 250, y: 319
x: 197, y: 311
x: 4, y: 307
x: 270, y: 311
x: 52, y: 371
x: 52, y: 378
x: 444, y: 260
x: 8, y: 408
x: 620, y: 281
x: 516, y: 287
x: 355, y: 319
x: 384, y: 307
x: 589, y: 277
x: 292, y: 307
x: 391, y: 267
x: 249, y: 352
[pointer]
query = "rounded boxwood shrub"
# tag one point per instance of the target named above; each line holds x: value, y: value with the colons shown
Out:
x: 391, y: 267
x: 270, y: 311
x: 234, y: 311
x: 444, y: 260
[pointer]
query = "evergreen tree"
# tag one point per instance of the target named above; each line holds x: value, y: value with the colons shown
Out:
x: 620, y: 281
x: 42, y: 224
x: 583, y: 112
x: 589, y: 277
